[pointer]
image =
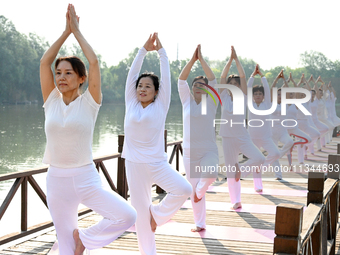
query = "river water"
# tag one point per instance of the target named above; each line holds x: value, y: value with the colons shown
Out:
x: 23, y: 141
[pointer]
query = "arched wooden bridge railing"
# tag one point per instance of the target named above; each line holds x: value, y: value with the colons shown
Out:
x: 311, y: 230
x: 23, y: 178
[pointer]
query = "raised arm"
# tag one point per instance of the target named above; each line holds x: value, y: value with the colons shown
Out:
x: 187, y: 68
x: 94, y: 70
x: 225, y: 72
x: 183, y: 87
x: 292, y: 80
x: 303, y: 79
x: 46, y: 73
x: 208, y: 72
x: 164, y: 94
x: 240, y: 70
x: 274, y: 84
x: 130, y: 87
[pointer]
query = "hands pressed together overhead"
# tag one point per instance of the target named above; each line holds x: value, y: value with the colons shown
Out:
x: 153, y: 43
x: 72, y: 20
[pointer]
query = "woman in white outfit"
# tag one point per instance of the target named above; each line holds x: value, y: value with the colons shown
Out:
x: 323, y: 129
x: 279, y: 132
x: 335, y: 118
x: 235, y: 137
x: 292, y: 113
x: 323, y: 113
x: 298, y: 131
x: 199, y: 139
x: 261, y: 133
x: 147, y: 103
x: 69, y: 123
x: 306, y: 123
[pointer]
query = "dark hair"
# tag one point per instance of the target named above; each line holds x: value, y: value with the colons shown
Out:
x: 313, y: 90
x: 279, y: 90
x: 77, y: 64
x: 258, y: 88
x: 152, y: 76
x: 200, y: 78
x: 234, y: 76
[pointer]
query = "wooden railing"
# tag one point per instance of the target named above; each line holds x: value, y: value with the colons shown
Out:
x: 311, y: 230
x: 22, y: 179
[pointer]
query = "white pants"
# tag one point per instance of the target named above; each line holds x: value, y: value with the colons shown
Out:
x: 288, y: 142
x: 312, y: 132
x: 322, y: 128
x: 66, y: 189
x: 140, y: 178
x: 200, y: 182
x: 231, y: 148
x: 330, y: 125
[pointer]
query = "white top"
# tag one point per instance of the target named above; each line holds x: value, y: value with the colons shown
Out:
x: 322, y: 113
x: 238, y: 127
x: 266, y: 130
x: 291, y: 113
x: 144, y: 127
x: 277, y: 126
x: 198, y: 129
x: 69, y: 130
x: 329, y: 106
x: 300, y: 114
x: 314, y: 108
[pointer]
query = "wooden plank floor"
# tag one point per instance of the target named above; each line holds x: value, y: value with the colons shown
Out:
x: 182, y: 244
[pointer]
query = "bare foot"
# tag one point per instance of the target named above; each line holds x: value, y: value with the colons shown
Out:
x: 197, y: 229
x: 196, y: 199
x: 278, y: 178
x: 153, y: 222
x: 238, y: 173
x: 258, y: 190
x: 236, y: 206
x: 79, y: 244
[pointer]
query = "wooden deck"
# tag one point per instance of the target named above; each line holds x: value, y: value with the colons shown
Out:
x: 228, y: 232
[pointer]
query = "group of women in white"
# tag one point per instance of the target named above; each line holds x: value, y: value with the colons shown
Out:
x: 70, y: 119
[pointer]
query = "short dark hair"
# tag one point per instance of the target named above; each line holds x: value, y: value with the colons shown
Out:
x: 313, y: 90
x: 258, y: 88
x: 77, y: 64
x: 201, y: 77
x: 152, y: 76
x: 234, y: 76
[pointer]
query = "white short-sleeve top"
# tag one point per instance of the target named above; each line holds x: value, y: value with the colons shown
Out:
x: 69, y: 130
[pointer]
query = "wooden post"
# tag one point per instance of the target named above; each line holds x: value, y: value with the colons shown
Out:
x: 24, y: 204
x: 315, y: 187
x: 334, y: 167
x: 335, y: 131
x: 159, y: 190
x: 288, y: 224
x: 334, y: 211
x: 122, y: 185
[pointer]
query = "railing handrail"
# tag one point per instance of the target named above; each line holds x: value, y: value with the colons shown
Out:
x: 25, y: 176
x: 300, y: 232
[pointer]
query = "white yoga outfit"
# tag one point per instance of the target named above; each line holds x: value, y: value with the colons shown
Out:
x: 335, y: 118
x: 280, y: 134
x: 262, y: 136
x: 306, y: 126
x: 323, y: 117
x: 73, y: 179
x: 200, y: 153
x: 146, y: 160
x: 292, y: 113
x: 236, y: 139
x: 323, y: 128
